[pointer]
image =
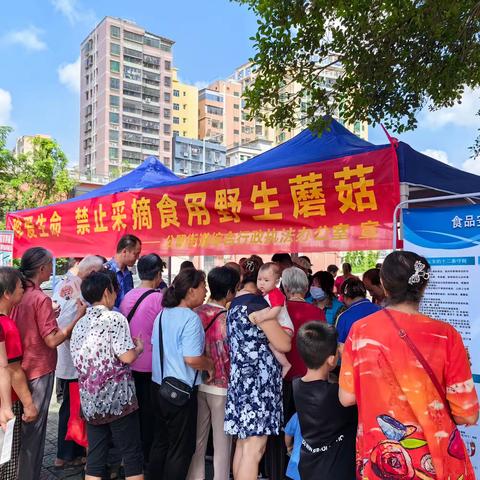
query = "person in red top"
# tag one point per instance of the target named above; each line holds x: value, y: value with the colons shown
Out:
x: 11, y: 292
x: 347, y: 273
x: 40, y: 334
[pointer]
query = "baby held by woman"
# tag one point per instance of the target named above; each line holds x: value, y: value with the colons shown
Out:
x: 267, y: 281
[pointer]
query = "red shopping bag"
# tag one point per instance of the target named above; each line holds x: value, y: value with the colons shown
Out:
x: 77, y: 427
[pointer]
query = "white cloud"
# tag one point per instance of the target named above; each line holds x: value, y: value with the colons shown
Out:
x: 437, y: 154
x: 69, y: 75
x: 201, y: 84
x: 28, y: 38
x: 5, y: 107
x: 73, y: 11
x: 472, y: 165
x: 462, y: 114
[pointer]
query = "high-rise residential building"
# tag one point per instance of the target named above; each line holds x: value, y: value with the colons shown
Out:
x: 253, y: 129
x: 256, y: 129
x: 184, y: 108
x: 126, y: 98
x: 25, y: 143
x: 220, y: 112
x: 247, y: 150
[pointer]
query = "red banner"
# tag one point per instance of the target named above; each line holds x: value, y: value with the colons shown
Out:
x: 336, y: 205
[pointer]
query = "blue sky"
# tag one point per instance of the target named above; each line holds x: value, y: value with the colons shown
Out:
x: 39, y: 47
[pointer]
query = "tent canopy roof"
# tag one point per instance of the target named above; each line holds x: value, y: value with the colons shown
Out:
x: 151, y: 173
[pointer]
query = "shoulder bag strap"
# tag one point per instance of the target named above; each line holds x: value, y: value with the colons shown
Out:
x: 213, y: 319
x: 138, y: 302
x: 160, y: 343
x: 404, y: 336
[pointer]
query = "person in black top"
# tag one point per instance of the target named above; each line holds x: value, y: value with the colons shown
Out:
x: 328, y: 429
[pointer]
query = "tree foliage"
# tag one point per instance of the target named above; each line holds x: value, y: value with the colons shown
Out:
x: 397, y: 57
x: 33, y: 179
x: 362, y: 261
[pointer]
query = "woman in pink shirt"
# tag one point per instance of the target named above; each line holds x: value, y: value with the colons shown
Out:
x: 37, y: 323
x: 148, y: 302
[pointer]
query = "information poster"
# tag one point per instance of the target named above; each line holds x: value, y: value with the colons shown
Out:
x: 6, y: 248
x: 450, y: 240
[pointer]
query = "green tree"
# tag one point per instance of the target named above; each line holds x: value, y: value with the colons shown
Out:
x: 34, y: 179
x: 361, y: 261
x: 397, y: 57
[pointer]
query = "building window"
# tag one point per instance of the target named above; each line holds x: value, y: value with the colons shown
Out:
x: 167, y: 81
x: 113, y: 135
x: 236, y: 106
x: 114, y: 66
x: 115, y: 49
x: 166, y: 146
x: 176, y: 106
x: 214, y: 110
x: 166, y: 113
x: 176, y: 120
x: 113, y: 153
x: 132, y: 73
x: 168, y: 64
x: 236, y: 94
x: 167, y: 97
x: 114, y: 118
x: 166, y: 129
x: 114, y: 101
x: 114, y: 83
x: 133, y: 37
x: 236, y: 119
x: 114, y: 31
x: 236, y: 132
x: 176, y: 93
x: 151, y: 41
x: 176, y: 132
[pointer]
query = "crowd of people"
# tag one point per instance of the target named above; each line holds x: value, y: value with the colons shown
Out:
x: 292, y: 373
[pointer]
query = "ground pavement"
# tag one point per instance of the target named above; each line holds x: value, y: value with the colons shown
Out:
x: 49, y: 472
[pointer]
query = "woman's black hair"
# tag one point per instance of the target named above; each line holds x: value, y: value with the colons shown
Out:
x: 326, y: 282
x: 32, y: 260
x: 222, y: 281
x: 93, y: 286
x: 403, y: 278
x: 353, y: 288
x: 9, y: 278
x: 186, y: 279
x: 149, y: 266
x: 186, y: 264
x: 347, y: 268
x: 373, y: 275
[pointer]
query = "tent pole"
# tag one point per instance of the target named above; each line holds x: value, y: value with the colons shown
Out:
x: 404, y: 203
x: 54, y: 273
x: 169, y: 264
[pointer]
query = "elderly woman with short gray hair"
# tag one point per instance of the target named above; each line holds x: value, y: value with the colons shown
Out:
x: 295, y: 285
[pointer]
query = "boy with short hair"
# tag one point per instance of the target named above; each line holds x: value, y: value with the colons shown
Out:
x: 328, y: 429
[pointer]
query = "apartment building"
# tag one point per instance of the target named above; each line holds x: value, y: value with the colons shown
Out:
x: 192, y: 156
x: 184, y: 108
x: 220, y: 112
x: 126, y: 98
x: 26, y: 143
x: 255, y: 129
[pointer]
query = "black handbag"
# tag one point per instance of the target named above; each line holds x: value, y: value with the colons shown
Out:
x: 173, y: 390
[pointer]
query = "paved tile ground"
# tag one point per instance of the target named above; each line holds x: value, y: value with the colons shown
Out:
x: 49, y: 472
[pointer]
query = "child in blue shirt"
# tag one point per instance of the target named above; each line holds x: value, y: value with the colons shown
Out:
x: 293, y: 441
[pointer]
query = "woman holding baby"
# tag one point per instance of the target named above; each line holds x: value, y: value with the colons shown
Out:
x: 254, y: 395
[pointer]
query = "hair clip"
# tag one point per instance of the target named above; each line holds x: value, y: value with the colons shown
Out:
x: 249, y: 266
x: 419, y: 273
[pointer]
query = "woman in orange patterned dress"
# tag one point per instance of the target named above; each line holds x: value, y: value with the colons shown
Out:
x: 411, y: 391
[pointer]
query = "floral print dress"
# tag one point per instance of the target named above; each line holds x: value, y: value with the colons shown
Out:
x: 254, y: 394
x: 404, y: 430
